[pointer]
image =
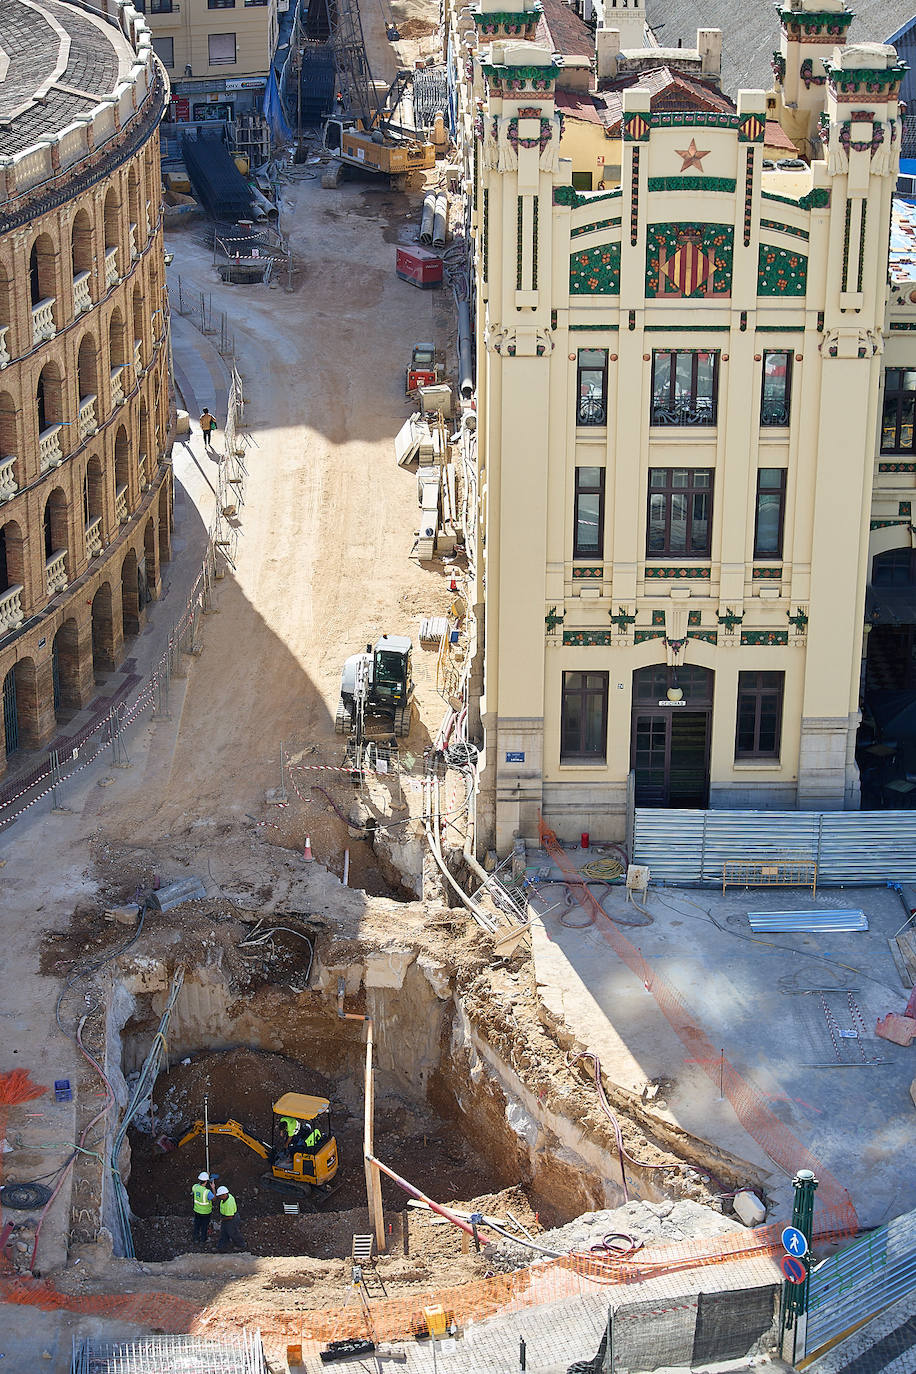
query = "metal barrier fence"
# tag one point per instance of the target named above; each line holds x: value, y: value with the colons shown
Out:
x: 61, y: 764
x: 848, y: 846
x: 197, y: 306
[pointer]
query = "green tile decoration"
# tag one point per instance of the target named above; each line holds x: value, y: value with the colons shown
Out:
x: 569, y: 196
x: 693, y: 618
x: 593, y: 328
x: 784, y: 228
x: 885, y: 524
x: 697, y: 183
x: 905, y: 508
x: 595, y: 271
x: 552, y: 619
x: 691, y: 573
x: 897, y: 467
x: 707, y: 636
x: 658, y: 618
x: 689, y: 260
x: 781, y: 272
x: 590, y: 638
x: 764, y: 637
x: 641, y: 636
x: 594, y: 228
x: 767, y: 574
x: 903, y: 324
x: 581, y: 574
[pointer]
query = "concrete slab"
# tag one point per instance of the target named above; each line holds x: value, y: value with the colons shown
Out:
x: 775, y: 1004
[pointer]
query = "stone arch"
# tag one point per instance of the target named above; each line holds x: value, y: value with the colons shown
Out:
x: 112, y: 218
x: 105, y: 644
x: 138, y: 316
x: 151, y: 559
x: 122, y: 468
x: 9, y: 433
x: 42, y: 269
x: 93, y: 489
x: 55, y: 524
x: 49, y: 397
x: 116, y: 346
x: 131, y: 605
x: 65, y: 665
x: 12, y: 556
x: 133, y: 200
x: 87, y: 367
x: 165, y: 523
x: 20, y: 706
x: 6, y: 308
x: 146, y: 449
x: 81, y: 254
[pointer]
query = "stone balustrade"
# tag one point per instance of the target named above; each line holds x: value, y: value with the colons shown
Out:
x: 4, y: 351
x: 132, y: 241
x: 138, y: 357
x: 82, y: 299
x: 49, y: 448
x: 56, y: 572
x: 94, y: 537
x: 121, y: 511
x: 117, y: 385
x: 8, y: 485
x: 111, y: 267
x: 43, y: 326
x: 88, y: 420
x: 10, y: 609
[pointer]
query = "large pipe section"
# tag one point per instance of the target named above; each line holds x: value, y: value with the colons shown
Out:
x: 465, y: 352
x: 440, y: 221
x: 427, y: 217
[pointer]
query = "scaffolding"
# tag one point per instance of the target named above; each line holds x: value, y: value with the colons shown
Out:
x: 241, y: 1353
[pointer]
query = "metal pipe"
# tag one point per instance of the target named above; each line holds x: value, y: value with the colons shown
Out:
x: 465, y: 352
x: 421, y: 1197
x: 427, y: 217
x: 440, y: 222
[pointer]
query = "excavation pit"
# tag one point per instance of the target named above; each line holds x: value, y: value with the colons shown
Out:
x: 241, y: 1085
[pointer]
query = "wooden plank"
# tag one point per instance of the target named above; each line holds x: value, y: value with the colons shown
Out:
x: 898, y: 959
x: 906, y: 943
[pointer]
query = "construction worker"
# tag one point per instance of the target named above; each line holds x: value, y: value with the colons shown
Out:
x: 310, y: 1135
x: 291, y: 1125
x: 202, y: 1194
x: 229, y: 1230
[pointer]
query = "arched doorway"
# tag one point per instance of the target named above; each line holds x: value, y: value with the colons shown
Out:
x: 165, y: 524
x: 670, y: 735
x: 65, y: 666
x: 10, y: 713
x: 20, y: 697
x: 130, y: 595
x: 103, y: 654
x: 149, y: 557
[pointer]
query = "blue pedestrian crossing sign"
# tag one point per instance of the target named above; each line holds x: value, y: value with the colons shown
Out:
x: 794, y: 1241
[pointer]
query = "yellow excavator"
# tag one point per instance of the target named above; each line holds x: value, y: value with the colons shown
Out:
x: 295, y: 1168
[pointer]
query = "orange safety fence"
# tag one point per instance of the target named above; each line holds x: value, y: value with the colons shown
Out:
x: 538, y: 1285
x: 834, y: 1212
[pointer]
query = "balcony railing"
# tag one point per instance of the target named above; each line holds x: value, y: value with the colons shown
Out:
x: 775, y: 415
x: 138, y: 356
x: 144, y: 479
x: 147, y: 219
x: 49, y: 448
x: 8, y: 486
x: 121, y: 510
x: 88, y: 420
x: 132, y: 240
x: 111, y: 266
x: 685, y: 411
x: 10, y: 609
x: 117, y: 385
x: 94, y: 537
x: 43, y: 326
x: 591, y: 410
x: 4, y: 351
x: 56, y: 572
x: 82, y: 300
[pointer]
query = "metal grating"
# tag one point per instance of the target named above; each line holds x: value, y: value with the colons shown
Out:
x: 239, y: 1353
x: 849, y: 847
x: 860, y: 1281
x: 837, y: 1030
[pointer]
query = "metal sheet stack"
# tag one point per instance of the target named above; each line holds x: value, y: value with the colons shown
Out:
x: 806, y: 922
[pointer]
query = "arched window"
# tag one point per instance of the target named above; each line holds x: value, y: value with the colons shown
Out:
x: 87, y: 368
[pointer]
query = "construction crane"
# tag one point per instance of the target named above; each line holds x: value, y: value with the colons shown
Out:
x: 361, y: 132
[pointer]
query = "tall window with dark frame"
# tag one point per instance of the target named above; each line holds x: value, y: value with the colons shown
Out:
x: 771, y: 509
x: 583, y: 729
x: 680, y: 513
x: 588, y: 527
x: 685, y: 387
x: 759, y: 727
x: 591, y: 387
x: 776, y: 388
x: 897, y: 427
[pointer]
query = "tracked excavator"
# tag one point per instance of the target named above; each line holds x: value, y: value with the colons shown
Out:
x: 297, y: 1170
x: 361, y: 132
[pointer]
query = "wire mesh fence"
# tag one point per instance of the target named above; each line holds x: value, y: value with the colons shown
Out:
x: 197, y: 306
x: 241, y: 1353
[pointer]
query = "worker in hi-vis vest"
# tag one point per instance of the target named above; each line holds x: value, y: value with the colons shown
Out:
x: 202, y: 1194
x: 229, y: 1230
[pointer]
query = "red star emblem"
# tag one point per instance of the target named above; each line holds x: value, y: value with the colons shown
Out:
x: 692, y: 156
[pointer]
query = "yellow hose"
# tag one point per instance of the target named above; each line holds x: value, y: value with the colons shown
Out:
x: 604, y: 870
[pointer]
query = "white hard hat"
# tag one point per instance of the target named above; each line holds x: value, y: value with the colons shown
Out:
x: 203, y: 1178
x: 222, y: 1192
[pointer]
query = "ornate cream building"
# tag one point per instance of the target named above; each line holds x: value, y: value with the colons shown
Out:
x: 679, y: 398
x: 85, y: 490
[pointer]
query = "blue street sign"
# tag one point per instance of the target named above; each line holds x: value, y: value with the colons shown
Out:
x: 515, y: 756
x: 794, y: 1241
x: 794, y: 1269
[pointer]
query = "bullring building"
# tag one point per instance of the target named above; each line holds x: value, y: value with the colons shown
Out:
x: 85, y: 490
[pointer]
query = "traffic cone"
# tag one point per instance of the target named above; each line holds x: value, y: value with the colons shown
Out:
x: 307, y: 854
x: 453, y: 583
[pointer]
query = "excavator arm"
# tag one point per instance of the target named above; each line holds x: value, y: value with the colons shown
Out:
x: 226, y: 1128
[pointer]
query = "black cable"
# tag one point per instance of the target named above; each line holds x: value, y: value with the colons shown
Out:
x: 94, y: 968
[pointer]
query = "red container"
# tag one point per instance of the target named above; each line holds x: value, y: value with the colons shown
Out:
x: 420, y: 267
x: 584, y: 838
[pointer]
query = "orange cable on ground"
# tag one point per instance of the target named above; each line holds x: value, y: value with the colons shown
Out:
x: 15, y: 1087
x: 834, y: 1213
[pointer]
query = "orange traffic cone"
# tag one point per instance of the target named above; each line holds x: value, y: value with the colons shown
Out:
x: 307, y: 854
x: 453, y: 583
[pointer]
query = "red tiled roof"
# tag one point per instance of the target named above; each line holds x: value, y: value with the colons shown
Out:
x: 776, y: 137
x: 668, y: 89
x: 579, y: 105
x: 563, y: 31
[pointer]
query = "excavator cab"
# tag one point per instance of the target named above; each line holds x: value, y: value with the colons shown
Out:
x: 292, y: 1160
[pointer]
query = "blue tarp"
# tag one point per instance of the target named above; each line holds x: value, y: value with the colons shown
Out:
x: 280, y: 132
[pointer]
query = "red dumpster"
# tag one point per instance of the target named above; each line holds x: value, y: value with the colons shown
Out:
x: 419, y: 266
